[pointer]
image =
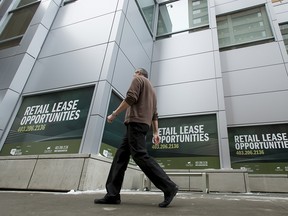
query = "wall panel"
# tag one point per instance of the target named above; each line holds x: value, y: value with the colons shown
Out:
x: 78, y: 36
x: 257, y: 109
x: 187, y: 98
x: 73, y: 68
x: 90, y: 9
x: 185, y: 69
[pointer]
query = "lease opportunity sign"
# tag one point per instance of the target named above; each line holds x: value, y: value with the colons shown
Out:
x: 49, y: 123
x: 189, y: 142
x: 262, y: 149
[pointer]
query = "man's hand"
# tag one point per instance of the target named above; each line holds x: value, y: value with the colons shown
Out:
x: 111, y: 117
x: 123, y: 106
x: 156, y: 139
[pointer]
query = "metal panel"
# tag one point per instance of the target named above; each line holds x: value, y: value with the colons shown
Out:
x: 282, y: 17
x: 78, y: 36
x: 84, y: 10
x: 39, y: 37
x: 250, y: 57
x: 220, y: 94
x: 93, y: 135
x: 132, y: 47
x: 122, y: 74
x: 22, y: 73
x: 226, y: 6
x: 187, y: 98
x: 139, y: 27
x: 109, y: 62
x: 45, y: 14
x: 122, y: 5
x: 9, y: 67
x: 118, y: 24
x: 100, y: 103
x: 73, y: 68
x: 257, y: 109
x: 8, y: 104
x: 256, y: 80
x: 183, y: 45
x: 185, y: 69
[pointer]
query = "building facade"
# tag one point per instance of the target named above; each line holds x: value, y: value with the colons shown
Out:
x: 219, y: 67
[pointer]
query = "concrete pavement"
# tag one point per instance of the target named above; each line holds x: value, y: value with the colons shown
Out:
x: 27, y: 203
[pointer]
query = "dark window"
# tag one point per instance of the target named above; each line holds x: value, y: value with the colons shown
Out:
x: 17, y: 22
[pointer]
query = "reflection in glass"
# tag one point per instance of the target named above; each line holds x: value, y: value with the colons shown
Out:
x: 181, y: 16
x: 284, y: 32
x: 243, y: 27
x: 148, y: 10
x: 17, y: 23
x: 113, y: 133
x: 25, y: 2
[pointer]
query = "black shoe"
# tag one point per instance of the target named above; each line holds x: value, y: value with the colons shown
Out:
x: 108, y: 200
x: 168, y: 197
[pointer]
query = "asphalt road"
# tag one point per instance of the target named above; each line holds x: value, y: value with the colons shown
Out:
x: 134, y: 203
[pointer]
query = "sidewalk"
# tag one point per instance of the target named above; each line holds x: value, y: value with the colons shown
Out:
x: 134, y: 203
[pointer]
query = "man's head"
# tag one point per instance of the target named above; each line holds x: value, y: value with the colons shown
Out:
x: 142, y: 71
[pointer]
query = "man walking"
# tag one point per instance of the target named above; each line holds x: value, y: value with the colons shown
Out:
x: 141, y: 112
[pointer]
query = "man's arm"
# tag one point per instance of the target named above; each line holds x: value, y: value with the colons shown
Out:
x: 123, y: 106
x: 156, y: 137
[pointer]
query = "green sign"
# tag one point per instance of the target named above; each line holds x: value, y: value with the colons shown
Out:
x: 261, y: 149
x: 189, y: 142
x: 50, y: 123
x: 113, y: 132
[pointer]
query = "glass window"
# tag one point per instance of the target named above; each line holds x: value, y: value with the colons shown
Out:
x: 147, y: 8
x: 17, y: 23
x: 113, y: 133
x: 243, y: 27
x: 65, y: 2
x: 284, y: 32
x: 179, y: 16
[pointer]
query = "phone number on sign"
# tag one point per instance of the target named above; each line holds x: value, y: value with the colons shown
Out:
x: 31, y: 128
x: 165, y: 146
x: 250, y: 152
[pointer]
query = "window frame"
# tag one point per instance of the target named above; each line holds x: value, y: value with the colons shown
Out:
x: 4, y: 43
x: 65, y: 2
x: 151, y: 31
x: 246, y: 43
x: 189, y: 29
x: 284, y: 39
x: 110, y: 128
